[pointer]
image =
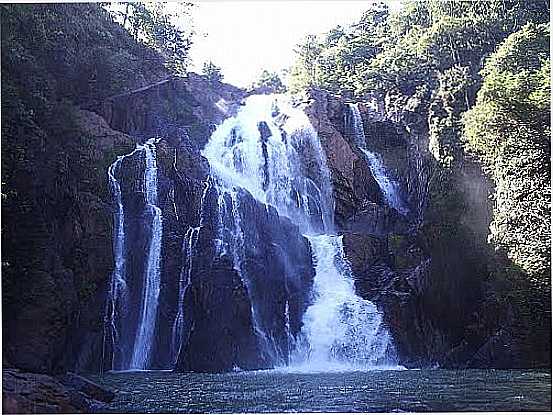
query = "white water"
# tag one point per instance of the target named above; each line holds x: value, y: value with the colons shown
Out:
x: 118, y: 286
x: 390, y: 188
x: 236, y: 155
x: 270, y: 169
x: 144, y: 338
x: 118, y: 295
x: 188, y: 245
x: 340, y: 329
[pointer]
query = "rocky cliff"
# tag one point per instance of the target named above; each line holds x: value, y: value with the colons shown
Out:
x: 429, y: 270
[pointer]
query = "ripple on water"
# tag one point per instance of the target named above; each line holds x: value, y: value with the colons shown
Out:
x: 351, y: 391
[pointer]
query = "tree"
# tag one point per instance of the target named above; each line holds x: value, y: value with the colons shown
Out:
x: 509, y: 131
x: 153, y: 24
x: 303, y: 73
x: 270, y: 82
x: 212, y: 72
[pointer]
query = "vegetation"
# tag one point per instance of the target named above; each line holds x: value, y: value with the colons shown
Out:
x: 509, y: 129
x: 479, y: 74
x: 212, y: 72
x: 154, y: 24
x: 270, y: 82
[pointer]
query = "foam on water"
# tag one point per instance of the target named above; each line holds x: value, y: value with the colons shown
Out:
x: 271, y: 150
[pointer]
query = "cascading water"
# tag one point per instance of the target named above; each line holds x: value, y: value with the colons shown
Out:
x: 271, y: 150
x: 342, y: 329
x: 135, y: 353
x: 389, y: 187
x: 144, y: 337
x: 188, y: 245
x: 259, y: 150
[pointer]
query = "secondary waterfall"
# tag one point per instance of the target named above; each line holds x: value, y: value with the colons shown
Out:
x: 271, y: 150
x: 132, y: 346
x: 389, y: 187
x: 188, y: 245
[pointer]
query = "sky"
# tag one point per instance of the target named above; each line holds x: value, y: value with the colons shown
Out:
x: 244, y: 37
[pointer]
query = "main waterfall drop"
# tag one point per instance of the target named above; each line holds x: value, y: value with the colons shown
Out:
x: 270, y: 150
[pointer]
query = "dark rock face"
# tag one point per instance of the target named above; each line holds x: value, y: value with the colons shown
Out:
x: 62, y: 254
x: 277, y: 263
x: 273, y: 269
x: 172, y: 108
x: 352, y: 183
x: 25, y: 393
x: 181, y: 175
x: 427, y: 280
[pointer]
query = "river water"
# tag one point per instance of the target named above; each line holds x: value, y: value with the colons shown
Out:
x: 362, y: 391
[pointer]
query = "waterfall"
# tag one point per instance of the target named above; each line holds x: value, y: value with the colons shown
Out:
x: 188, y: 251
x: 135, y: 352
x: 118, y: 286
x: 271, y: 150
x: 188, y: 244
x: 389, y: 187
x: 150, y: 299
x: 342, y: 329
x: 259, y: 150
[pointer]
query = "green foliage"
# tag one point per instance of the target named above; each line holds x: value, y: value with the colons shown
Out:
x: 428, y: 57
x: 447, y: 102
x: 153, y: 23
x: 85, y: 58
x: 404, y: 50
x: 269, y: 81
x: 212, y: 72
x: 509, y: 130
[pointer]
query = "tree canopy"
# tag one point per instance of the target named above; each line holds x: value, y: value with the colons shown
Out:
x: 212, y: 72
x: 509, y: 130
x: 270, y: 82
x: 154, y: 24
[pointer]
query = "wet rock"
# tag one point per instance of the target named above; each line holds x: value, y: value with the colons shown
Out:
x: 376, y: 219
x: 24, y: 393
x: 191, y: 105
x: 274, y: 269
x: 277, y: 262
x: 86, y: 387
x: 221, y: 334
x: 351, y: 180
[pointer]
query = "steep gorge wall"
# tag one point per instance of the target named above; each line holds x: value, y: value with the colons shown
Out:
x: 428, y: 272
x: 183, y: 113
x: 430, y: 291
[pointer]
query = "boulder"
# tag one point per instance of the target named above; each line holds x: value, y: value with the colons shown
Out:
x: 24, y: 393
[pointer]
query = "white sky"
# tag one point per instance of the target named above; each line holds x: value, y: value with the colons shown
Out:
x: 245, y: 37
